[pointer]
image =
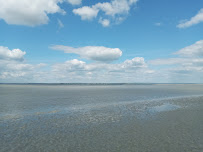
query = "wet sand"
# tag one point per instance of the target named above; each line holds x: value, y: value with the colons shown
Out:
x: 165, y: 125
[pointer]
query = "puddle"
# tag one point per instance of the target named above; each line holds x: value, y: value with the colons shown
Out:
x: 163, y: 107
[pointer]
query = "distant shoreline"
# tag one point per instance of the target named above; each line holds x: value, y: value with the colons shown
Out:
x: 101, y: 83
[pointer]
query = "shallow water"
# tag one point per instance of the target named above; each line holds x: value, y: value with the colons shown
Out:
x: 99, y: 118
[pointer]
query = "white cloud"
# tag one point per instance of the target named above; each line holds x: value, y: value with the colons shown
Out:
x: 79, y: 71
x: 72, y: 65
x: 86, y: 13
x: 15, y: 54
x: 74, y: 2
x: 191, y: 58
x: 77, y: 65
x: 114, y: 9
x: 96, y: 53
x: 13, y: 68
x: 137, y: 62
x: 28, y: 12
x: 194, y: 20
x: 180, y: 69
x: 104, y: 22
x: 11, y: 71
x: 35, y: 12
x: 192, y: 50
x: 180, y: 61
x: 187, y: 67
x: 190, y: 55
x: 167, y: 61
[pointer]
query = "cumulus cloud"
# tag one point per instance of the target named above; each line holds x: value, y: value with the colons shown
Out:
x: 114, y: 9
x: 104, y: 22
x: 77, y: 65
x: 137, y: 62
x: 13, y: 68
x: 21, y: 72
x: 72, y: 65
x: 96, y: 53
x: 35, y: 12
x: 194, y: 20
x: 28, y: 12
x: 15, y: 54
x: 86, y: 13
x: 178, y: 69
x: 192, y: 50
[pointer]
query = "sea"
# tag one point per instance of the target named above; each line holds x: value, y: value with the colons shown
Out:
x: 101, y: 117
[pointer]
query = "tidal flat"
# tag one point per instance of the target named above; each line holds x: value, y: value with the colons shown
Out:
x: 89, y: 118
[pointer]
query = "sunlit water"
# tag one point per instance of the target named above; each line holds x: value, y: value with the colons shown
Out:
x: 100, y: 117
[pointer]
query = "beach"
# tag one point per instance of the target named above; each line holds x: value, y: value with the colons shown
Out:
x: 145, y: 118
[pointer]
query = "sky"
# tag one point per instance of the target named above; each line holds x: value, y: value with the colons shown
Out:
x: 101, y: 41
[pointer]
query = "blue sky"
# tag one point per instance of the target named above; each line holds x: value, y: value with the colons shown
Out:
x: 157, y: 41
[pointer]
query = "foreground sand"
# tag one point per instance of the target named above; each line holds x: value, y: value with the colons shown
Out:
x: 169, y: 125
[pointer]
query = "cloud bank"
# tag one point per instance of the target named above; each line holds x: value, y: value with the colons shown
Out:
x: 14, y: 69
x: 187, y: 66
x: 79, y: 71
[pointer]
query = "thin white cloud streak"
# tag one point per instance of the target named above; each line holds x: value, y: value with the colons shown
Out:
x: 60, y: 24
x: 96, y: 53
x: 193, y: 21
x: 158, y: 24
x: 180, y: 61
